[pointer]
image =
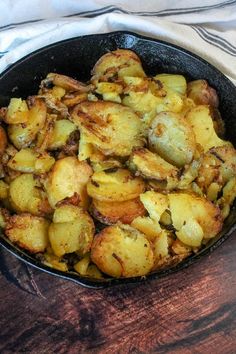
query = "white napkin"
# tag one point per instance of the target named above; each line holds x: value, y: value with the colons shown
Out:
x: 206, y: 28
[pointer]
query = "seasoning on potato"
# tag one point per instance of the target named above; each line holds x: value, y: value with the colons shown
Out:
x: 120, y: 176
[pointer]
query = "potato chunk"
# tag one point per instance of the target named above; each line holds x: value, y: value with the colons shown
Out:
x: 72, y: 230
x: 174, y: 82
x: 3, y: 140
x: 22, y: 135
x: 27, y: 160
x: 29, y: 232
x: 67, y: 179
x: 17, y: 111
x: 111, y: 212
x: 194, y: 217
x: 202, y: 124
x: 172, y: 137
x: 115, y: 185
x: 117, y: 64
x: 26, y: 195
x: 60, y: 133
x: 150, y: 165
x: 201, y: 93
x: 122, y: 251
x: 110, y: 127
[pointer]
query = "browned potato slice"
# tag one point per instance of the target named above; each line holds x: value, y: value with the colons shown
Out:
x: 149, y: 227
x: 60, y: 133
x: 55, y: 262
x: 3, y: 140
x: 218, y: 166
x: 201, y: 93
x: 155, y: 203
x: 26, y: 195
x: 22, y: 135
x: 179, y: 247
x: 29, y: 232
x: 66, y: 82
x: 110, y: 127
x: 67, y: 180
x: 172, y: 138
x: 194, y: 218
x: 111, y: 212
x: 122, y: 251
x: 201, y: 120
x: 115, y: 185
x: 84, y: 267
x: 150, y: 165
x: 27, y: 160
x: 17, y: 111
x: 4, y: 216
x: 117, y: 64
x: 72, y: 230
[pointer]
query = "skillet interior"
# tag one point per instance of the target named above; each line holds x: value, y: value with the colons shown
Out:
x: 76, y: 57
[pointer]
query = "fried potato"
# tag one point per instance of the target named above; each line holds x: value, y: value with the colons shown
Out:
x: 194, y: 218
x: 4, y: 216
x: 67, y: 181
x: 112, y: 212
x: 26, y: 195
x: 115, y: 185
x: 113, y: 66
x: 180, y: 248
x: 122, y: 251
x: 174, y: 82
x: 201, y: 121
x: 60, y: 133
x: 83, y: 267
x: 22, y: 135
x: 149, y: 227
x: 72, y: 230
x: 27, y: 160
x: 149, y: 165
x: 3, y: 141
x: 172, y: 138
x: 155, y: 203
x: 202, y: 94
x: 4, y: 187
x: 218, y: 165
x: 110, y: 127
x: 65, y: 82
x: 29, y: 232
x: 17, y: 111
x: 55, y: 262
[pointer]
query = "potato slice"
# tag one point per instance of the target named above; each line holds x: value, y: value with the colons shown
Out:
x: 117, y: 64
x: 27, y: 160
x: 150, y: 165
x: 29, y: 232
x: 172, y: 137
x: 122, y: 251
x: 115, y: 185
x: 110, y: 127
x: 4, y: 188
x: 155, y: 203
x: 201, y: 120
x: 111, y: 212
x: 191, y: 213
x: 26, y: 195
x: 67, y: 83
x: 60, y: 133
x: 17, y: 111
x: 201, y: 93
x: 174, y: 82
x: 149, y: 227
x: 72, y: 230
x: 67, y: 179
x: 22, y: 135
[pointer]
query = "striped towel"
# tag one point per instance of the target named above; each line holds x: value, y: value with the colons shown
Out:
x: 206, y: 28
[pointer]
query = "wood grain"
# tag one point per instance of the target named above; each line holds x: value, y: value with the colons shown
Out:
x: 193, y: 311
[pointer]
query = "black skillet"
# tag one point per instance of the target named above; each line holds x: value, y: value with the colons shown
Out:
x: 76, y: 57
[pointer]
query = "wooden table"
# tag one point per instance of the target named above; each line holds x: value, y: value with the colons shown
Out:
x: 193, y: 311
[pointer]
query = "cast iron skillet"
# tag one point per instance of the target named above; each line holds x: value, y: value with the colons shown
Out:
x: 76, y: 57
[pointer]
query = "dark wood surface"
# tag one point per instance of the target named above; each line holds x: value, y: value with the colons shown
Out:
x: 193, y: 311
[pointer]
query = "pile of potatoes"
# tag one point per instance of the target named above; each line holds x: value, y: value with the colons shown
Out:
x: 120, y: 176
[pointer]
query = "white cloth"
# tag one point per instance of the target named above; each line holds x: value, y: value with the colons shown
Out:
x: 206, y: 28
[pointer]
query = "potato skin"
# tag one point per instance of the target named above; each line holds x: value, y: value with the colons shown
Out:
x: 28, y: 231
x: 112, y: 212
x: 121, y: 251
x: 111, y: 127
x: 115, y: 186
x: 172, y: 137
x: 3, y: 140
x: 201, y: 93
